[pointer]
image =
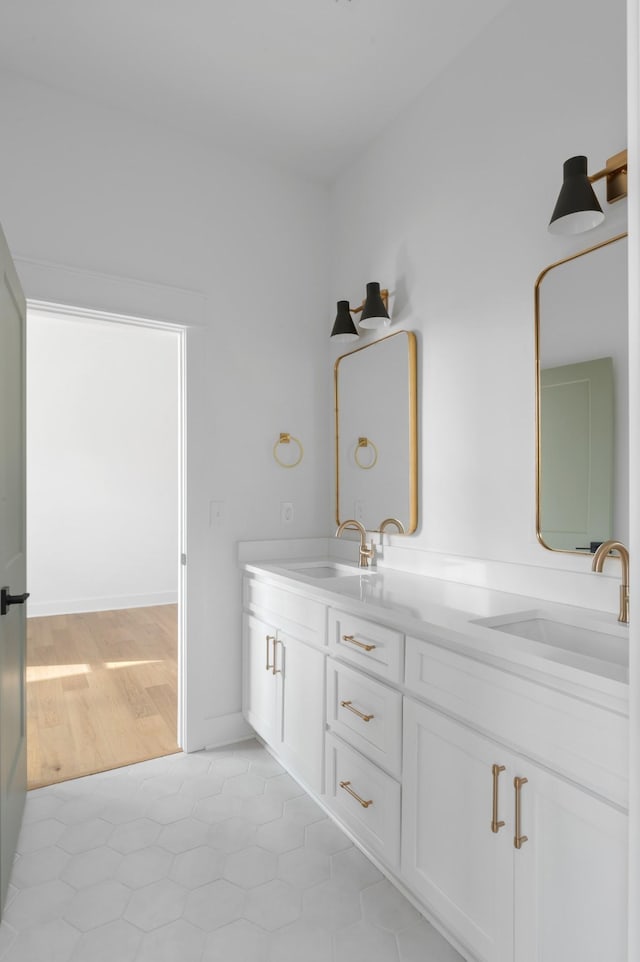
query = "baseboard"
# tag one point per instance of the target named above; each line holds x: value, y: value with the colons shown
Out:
x: 216, y: 732
x: 40, y: 609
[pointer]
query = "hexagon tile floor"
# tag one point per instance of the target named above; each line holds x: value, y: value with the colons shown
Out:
x: 216, y: 856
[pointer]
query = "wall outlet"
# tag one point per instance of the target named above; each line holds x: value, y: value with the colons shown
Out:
x: 286, y: 512
x: 216, y: 513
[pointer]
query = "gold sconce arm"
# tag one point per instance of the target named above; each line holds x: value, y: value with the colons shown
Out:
x: 616, y: 174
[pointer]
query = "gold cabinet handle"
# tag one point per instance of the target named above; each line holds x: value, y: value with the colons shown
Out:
x: 360, y: 644
x: 269, y: 638
x: 274, y: 670
x: 347, y: 788
x: 519, y: 840
x: 349, y: 705
x: 495, y: 824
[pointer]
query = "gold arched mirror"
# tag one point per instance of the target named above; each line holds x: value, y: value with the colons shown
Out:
x: 377, y: 434
x: 581, y: 318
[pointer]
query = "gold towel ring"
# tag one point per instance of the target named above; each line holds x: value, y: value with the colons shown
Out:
x: 286, y: 439
x: 366, y: 443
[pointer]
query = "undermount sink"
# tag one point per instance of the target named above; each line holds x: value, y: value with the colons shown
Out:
x: 326, y: 569
x: 610, y: 644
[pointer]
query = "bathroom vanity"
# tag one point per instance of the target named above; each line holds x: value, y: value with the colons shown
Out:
x: 472, y: 742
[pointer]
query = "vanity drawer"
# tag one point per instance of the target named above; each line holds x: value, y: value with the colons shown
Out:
x: 301, y: 617
x: 367, y: 714
x: 375, y: 648
x: 364, y: 798
x: 581, y: 741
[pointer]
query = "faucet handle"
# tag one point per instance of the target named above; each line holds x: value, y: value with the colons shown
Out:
x: 368, y: 554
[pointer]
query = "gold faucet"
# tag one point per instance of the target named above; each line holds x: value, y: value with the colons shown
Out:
x: 367, y: 551
x: 387, y: 521
x: 598, y: 561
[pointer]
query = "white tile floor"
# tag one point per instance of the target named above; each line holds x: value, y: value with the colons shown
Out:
x: 213, y: 857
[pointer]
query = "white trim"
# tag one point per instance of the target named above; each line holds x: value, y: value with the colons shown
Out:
x: 105, y: 297
x: 221, y: 731
x: 117, y: 603
x: 59, y: 285
x: 633, y: 124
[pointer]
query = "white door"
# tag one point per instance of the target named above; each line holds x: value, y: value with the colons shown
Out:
x: 450, y: 855
x: 570, y: 874
x: 261, y: 688
x: 302, y: 677
x: 576, y: 476
x: 12, y: 564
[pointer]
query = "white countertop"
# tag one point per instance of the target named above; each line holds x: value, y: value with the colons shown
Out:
x: 446, y: 612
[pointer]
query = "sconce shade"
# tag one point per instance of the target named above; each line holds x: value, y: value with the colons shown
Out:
x: 577, y: 208
x: 343, y: 328
x: 374, y: 313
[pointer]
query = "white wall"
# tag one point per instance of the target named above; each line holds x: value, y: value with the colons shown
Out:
x: 449, y: 209
x: 102, y: 465
x: 102, y: 195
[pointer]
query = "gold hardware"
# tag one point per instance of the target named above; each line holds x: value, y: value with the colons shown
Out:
x: 387, y: 521
x: 360, y: 644
x: 616, y: 174
x: 349, y: 705
x: 269, y: 638
x: 495, y: 824
x: 518, y: 839
x: 412, y: 358
x: 537, y: 316
x: 367, y: 551
x: 286, y: 438
x: 366, y: 443
x: 355, y: 795
x: 274, y: 670
x: 598, y: 563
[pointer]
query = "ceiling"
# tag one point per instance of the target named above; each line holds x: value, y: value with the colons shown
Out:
x: 303, y: 83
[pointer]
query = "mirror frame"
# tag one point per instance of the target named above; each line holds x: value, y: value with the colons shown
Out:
x: 412, y: 355
x: 539, y: 279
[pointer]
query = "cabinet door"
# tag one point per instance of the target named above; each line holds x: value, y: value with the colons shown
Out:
x: 302, y: 675
x: 570, y: 874
x: 450, y: 856
x: 261, y: 688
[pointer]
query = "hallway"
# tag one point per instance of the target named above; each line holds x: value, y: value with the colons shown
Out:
x: 101, y: 691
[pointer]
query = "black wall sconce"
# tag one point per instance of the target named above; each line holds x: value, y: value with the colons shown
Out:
x: 577, y: 208
x: 374, y: 310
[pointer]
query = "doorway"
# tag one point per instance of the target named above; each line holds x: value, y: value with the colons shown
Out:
x: 104, y: 526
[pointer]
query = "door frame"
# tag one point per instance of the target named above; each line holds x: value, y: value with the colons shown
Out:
x: 79, y: 313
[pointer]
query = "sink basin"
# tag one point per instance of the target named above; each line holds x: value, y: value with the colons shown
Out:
x: 327, y: 569
x: 610, y: 643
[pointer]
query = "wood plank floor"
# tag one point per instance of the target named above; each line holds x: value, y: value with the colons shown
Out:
x: 101, y: 691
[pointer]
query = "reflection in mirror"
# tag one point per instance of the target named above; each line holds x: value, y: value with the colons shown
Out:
x: 376, y: 434
x: 582, y: 394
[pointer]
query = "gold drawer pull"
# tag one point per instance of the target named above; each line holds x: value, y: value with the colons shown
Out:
x: 360, y: 644
x: 495, y: 824
x: 269, y: 667
x: 353, y: 794
x: 519, y: 839
x: 348, y: 704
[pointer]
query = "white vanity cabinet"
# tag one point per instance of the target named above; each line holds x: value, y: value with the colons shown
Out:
x: 284, y: 657
x: 413, y: 743
x: 561, y: 895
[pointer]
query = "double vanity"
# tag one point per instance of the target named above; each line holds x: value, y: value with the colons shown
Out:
x: 472, y: 742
